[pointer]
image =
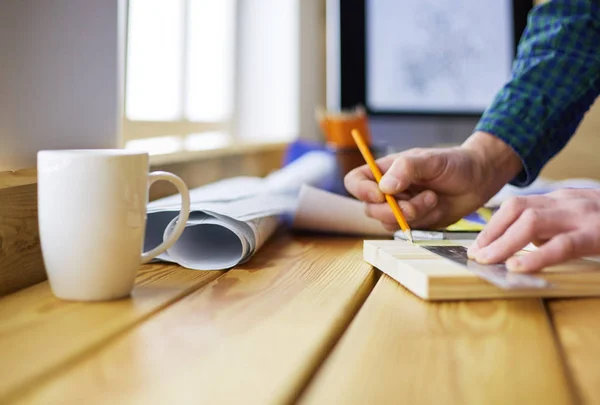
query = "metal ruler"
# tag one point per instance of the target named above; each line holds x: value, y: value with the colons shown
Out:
x: 496, y: 274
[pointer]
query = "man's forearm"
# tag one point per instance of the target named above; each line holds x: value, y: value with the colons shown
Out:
x: 502, y: 163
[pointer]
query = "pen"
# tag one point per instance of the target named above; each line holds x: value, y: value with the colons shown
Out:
x: 366, y: 153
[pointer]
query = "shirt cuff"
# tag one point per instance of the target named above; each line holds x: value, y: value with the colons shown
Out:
x: 506, y: 120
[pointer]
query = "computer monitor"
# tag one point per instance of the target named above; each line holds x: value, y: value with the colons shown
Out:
x: 424, y: 70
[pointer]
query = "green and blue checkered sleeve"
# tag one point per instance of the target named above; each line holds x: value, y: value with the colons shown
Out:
x: 555, y: 79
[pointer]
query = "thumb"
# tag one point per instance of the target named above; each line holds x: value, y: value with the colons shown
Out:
x: 408, y: 169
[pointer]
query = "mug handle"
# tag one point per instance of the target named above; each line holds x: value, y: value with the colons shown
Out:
x: 184, y: 214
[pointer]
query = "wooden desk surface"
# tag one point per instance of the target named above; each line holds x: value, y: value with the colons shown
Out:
x: 305, y: 321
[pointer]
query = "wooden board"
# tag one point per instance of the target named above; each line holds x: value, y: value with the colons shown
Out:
x: 577, y: 325
x: 15, y: 178
x: 253, y: 336
x: 40, y: 334
x: 401, y: 350
x: 21, y: 263
x: 434, y: 278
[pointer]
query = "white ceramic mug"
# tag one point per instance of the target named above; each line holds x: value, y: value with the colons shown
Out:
x: 92, y: 219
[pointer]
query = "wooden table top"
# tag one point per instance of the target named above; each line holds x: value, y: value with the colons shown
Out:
x: 305, y: 321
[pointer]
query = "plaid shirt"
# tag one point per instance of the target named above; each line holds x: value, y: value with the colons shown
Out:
x: 555, y: 79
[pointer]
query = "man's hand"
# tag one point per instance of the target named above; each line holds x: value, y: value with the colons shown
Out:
x: 565, y: 224
x: 436, y: 187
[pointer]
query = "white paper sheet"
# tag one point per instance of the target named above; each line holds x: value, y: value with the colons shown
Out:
x: 218, y: 235
x: 319, y: 210
x: 540, y: 186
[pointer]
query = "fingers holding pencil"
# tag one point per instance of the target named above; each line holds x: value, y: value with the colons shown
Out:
x: 366, y: 153
x: 413, y: 208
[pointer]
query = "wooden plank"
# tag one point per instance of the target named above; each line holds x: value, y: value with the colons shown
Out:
x: 577, y: 327
x: 16, y: 178
x: 432, y: 277
x: 238, y: 148
x: 400, y: 349
x: 253, y: 336
x: 39, y: 333
x: 21, y: 263
x: 203, y: 167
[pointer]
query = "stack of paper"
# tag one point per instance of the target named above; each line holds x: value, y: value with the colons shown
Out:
x: 218, y: 235
x: 231, y: 219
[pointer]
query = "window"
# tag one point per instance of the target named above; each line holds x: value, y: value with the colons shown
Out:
x: 179, y: 91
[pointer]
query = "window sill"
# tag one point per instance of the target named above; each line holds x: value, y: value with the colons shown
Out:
x: 15, y: 178
x: 232, y: 149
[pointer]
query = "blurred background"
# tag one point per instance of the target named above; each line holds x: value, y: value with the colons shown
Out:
x: 233, y: 82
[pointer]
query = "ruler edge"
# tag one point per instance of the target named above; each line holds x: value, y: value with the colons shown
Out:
x: 548, y: 285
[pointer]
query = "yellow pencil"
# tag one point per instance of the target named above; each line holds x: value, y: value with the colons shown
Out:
x: 366, y: 153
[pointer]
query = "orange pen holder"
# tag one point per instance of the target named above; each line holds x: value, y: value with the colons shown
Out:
x: 336, y: 127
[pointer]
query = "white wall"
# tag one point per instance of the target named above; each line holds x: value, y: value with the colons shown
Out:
x: 60, y: 76
x: 267, y: 69
x: 313, y: 58
x: 281, y: 68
